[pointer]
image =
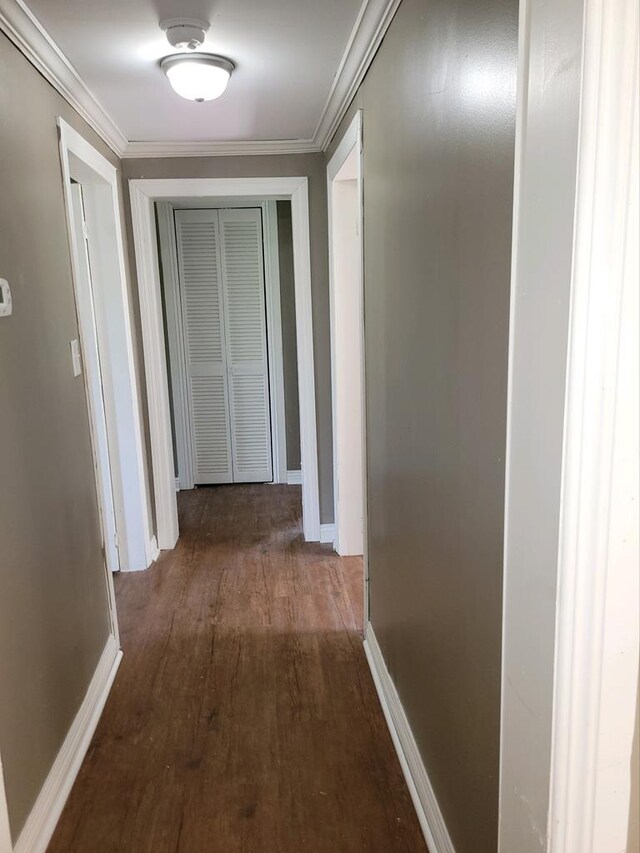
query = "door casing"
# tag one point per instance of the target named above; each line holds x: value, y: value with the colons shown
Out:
x: 144, y: 193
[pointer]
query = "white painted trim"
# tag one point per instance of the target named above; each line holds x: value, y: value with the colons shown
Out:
x: 274, y: 340
x: 153, y: 552
x: 177, y: 484
x: 44, y: 816
x: 327, y: 533
x: 371, y: 24
x: 147, y: 265
x: 161, y: 189
x: 597, y: 637
x: 352, y: 138
x: 5, y: 831
x: 30, y: 37
x: 341, y: 461
x: 373, y: 21
x: 175, y: 340
x: 306, y: 371
x: 522, y: 87
x: 294, y: 478
x: 143, y: 193
x: 220, y: 149
x: 424, y: 799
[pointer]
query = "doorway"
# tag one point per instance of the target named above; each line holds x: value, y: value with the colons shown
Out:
x: 145, y: 193
x: 89, y: 358
x: 229, y: 312
x: 103, y: 355
x: 344, y: 193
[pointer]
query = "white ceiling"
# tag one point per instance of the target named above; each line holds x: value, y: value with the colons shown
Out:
x: 287, y: 53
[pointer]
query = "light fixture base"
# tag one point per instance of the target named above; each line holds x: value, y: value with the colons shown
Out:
x: 205, y: 58
x: 184, y: 33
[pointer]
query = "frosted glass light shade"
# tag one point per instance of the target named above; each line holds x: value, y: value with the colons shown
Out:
x: 197, y: 76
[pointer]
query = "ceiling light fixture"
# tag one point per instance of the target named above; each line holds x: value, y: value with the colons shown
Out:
x: 196, y: 76
x: 199, y: 76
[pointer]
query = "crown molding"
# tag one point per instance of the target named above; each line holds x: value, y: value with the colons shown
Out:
x: 30, y: 37
x: 220, y: 149
x: 370, y: 27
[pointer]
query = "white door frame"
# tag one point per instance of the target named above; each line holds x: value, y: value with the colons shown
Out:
x: 5, y: 831
x: 168, y: 259
x: 144, y: 193
x: 90, y: 366
x: 597, y: 632
x: 178, y: 375
x: 351, y: 139
x: 274, y: 340
x: 115, y: 379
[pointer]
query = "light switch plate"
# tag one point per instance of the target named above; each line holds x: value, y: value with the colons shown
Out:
x: 76, y: 360
x: 5, y: 298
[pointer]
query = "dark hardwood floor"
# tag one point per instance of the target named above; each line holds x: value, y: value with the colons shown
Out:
x: 243, y: 716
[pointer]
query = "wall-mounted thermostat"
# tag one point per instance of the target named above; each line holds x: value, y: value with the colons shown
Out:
x: 5, y: 298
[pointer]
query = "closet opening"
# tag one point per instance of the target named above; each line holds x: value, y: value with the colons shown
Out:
x: 228, y: 304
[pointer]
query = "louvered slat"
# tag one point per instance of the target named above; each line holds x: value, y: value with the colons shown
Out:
x: 210, y: 429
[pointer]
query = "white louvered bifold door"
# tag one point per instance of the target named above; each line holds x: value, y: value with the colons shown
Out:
x: 246, y: 335
x: 199, y: 268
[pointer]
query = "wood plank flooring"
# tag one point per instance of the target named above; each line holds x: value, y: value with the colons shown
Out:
x: 243, y: 716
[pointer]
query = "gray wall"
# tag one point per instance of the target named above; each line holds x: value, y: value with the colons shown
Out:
x: 543, y: 254
x: 438, y: 129
x: 312, y: 166
x: 53, y: 606
x: 289, y: 354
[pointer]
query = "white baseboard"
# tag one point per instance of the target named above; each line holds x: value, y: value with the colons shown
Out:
x: 177, y: 484
x: 327, y: 532
x: 47, y: 809
x: 5, y: 834
x: 153, y: 552
x: 294, y: 478
x: 424, y: 799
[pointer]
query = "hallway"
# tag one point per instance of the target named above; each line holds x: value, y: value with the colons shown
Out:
x: 243, y: 716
